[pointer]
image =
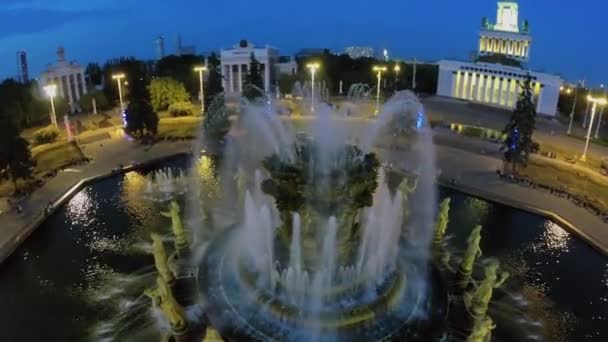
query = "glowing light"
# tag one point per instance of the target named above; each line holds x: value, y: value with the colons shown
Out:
x: 200, y: 68
x: 50, y: 90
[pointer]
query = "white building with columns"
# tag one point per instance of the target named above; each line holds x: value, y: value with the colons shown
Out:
x: 496, y: 84
x: 235, y: 66
x: 69, y: 78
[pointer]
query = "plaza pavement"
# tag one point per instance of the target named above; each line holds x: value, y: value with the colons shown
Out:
x: 106, y: 155
x: 547, y: 131
x: 472, y: 163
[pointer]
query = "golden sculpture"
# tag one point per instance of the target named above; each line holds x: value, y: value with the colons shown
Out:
x: 181, y: 240
x: 442, y: 221
x: 482, y: 330
x: 163, y: 298
x: 478, y: 299
x: 161, y: 259
x: 472, y: 252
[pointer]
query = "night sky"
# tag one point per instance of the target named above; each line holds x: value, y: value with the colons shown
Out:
x: 565, y: 34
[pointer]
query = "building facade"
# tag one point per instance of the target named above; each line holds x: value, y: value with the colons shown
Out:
x: 69, y: 78
x: 505, y: 37
x: 496, y: 84
x: 359, y: 52
x: 235, y: 66
x: 287, y: 65
x: 159, y: 47
x: 23, y: 74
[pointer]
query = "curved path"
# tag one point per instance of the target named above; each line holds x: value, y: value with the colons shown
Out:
x: 458, y: 157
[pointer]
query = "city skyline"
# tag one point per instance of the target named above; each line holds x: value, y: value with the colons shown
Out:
x: 99, y: 30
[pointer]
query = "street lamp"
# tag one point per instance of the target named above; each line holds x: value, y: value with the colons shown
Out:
x: 379, y: 70
x: 397, y: 69
x: 51, y: 92
x: 313, y: 67
x: 118, y: 77
x: 599, y: 121
x: 595, y: 101
x: 573, y: 108
x: 201, y: 70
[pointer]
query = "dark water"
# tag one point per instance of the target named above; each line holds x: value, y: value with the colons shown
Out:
x: 45, y: 285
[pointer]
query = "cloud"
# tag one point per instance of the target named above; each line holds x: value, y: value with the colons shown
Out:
x: 26, y: 21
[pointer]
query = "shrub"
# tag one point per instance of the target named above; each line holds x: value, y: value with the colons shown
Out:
x: 46, y: 135
x: 472, y: 131
x: 181, y: 109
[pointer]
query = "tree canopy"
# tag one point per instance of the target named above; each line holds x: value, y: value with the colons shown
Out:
x: 86, y: 101
x: 213, y: 85
x: 165, y: 91
x: 518, y: 143
x: 254, y: 84
x: 140, y: 114
x: 15, y: 157
x: 181, y: 68
x: 94, y: 74
x: 125, y: 65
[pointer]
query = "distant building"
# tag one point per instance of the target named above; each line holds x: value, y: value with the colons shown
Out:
x: 287, y: 65
x: 159, y: 46
x: 497, y: 84
x: 359, y: 52
x: 309, y: 52
x: 182, y: 50
x: 235, y: 65
x: 22, y: 71
x: 69, y: 78
x: 505, y: 37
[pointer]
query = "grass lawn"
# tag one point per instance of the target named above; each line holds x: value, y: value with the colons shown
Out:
x: 575, y: 179
x: 48, y: 157
x: 53, y: 156
x: 185, y: 127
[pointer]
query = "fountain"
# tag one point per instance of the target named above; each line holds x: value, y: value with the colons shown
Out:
x: 315, y: 239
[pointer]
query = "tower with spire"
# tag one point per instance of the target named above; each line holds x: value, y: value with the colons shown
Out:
x: 506, y: 37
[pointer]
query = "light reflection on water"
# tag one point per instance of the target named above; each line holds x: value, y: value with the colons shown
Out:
x: 81, y: 208
x: 554, y: 240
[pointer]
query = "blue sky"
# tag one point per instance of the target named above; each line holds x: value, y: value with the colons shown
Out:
x: 565, y: 37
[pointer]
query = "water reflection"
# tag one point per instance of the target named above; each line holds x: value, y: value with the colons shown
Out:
x: 477, y: 208
x: 554, y: 240
x: 133, y: 187
x: 81, y: 208
x: 205, y: 169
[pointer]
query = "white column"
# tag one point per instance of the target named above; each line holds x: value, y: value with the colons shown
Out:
x: 240, y: 77
x: 231, y: 77
x: 484, y: 86
x: 508, y: 92
x: 69, y: 83
x: 84, y: 85
x: 492, y: 89
x: 267, y: 76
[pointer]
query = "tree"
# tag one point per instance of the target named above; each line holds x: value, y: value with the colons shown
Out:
x: 213, y: 85
x: 86, y: 101
x: 15, y: 157
x: 497, y: 58
x: 181, y: 68
x: 94, y: 74
x: 125, y: 65
x: 141, y: 117
x: 216, y: 123
x: 518, y: 143
x: 254, y: 84
x: 165, y: 91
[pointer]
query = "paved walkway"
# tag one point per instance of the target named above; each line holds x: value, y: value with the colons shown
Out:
x: 106, y: 155
x: 457, y: 157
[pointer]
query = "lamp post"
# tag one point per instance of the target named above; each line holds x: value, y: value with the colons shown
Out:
x: 573, y: 109
x: 51, y: 92
x: 397, y: 69
x: 118, y: 77
x: 201, y: 70
x: 594, y: 101
x: 599, y: 120
x: 379, y: 70
x: 313, y: 67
